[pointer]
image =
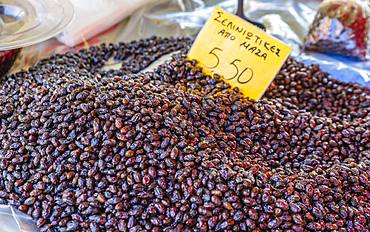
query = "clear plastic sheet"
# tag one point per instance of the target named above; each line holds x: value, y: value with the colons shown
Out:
x: 12, y: 220
x: 287, y: 20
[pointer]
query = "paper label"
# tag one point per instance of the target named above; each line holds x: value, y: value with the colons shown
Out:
x: 245, y: 56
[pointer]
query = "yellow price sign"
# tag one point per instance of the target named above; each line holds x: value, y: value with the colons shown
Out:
x: 245, y: 56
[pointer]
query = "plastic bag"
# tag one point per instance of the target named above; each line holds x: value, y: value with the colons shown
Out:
x: 341, y: 27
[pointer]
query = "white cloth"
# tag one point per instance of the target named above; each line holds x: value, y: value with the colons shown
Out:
x: 95, y: 16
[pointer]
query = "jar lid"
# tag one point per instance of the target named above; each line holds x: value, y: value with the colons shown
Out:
x: 27, y: 22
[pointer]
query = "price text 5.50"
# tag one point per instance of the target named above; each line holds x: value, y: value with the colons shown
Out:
x: 243, y: 75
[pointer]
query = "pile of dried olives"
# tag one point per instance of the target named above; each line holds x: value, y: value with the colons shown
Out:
x: 85, y: 149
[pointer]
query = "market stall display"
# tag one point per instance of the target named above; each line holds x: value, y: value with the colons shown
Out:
x: 173, y: 149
